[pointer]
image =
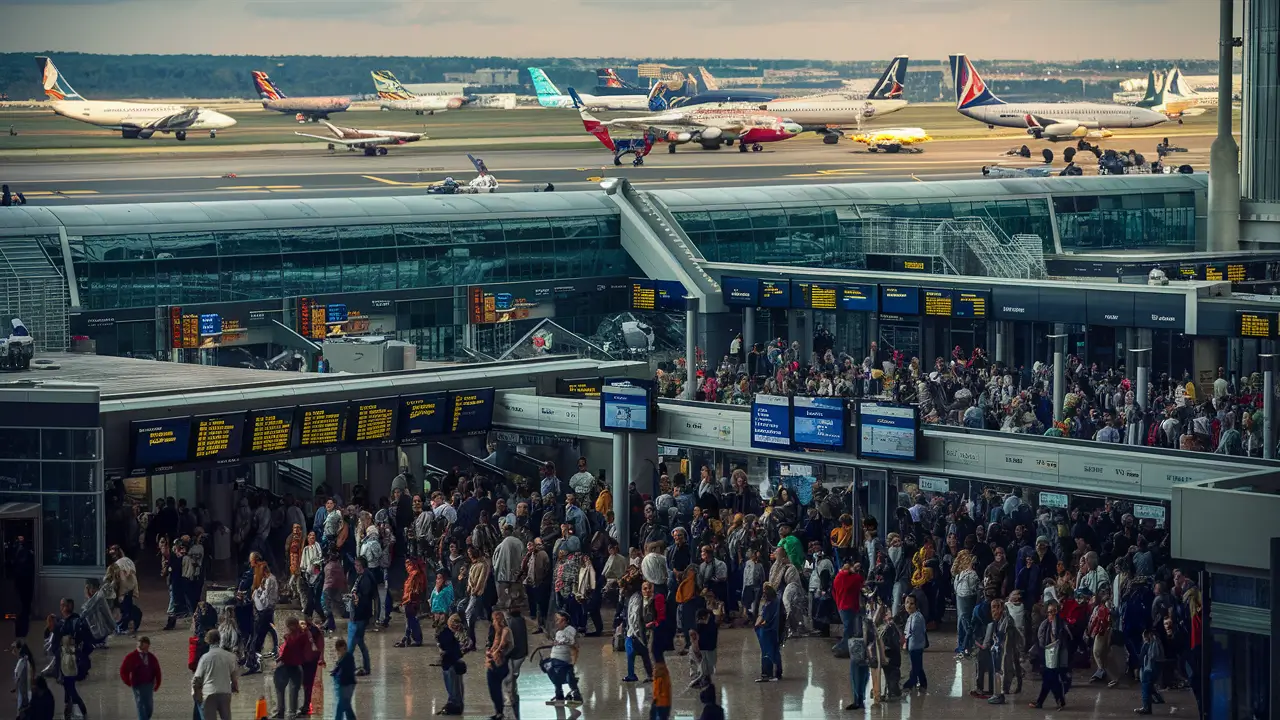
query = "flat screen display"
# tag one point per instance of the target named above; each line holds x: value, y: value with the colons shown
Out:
x: 670, y: 295
x: 210, y: 324
x: 579, y: 387
x: 775, y: 293
x: 335, y: 314
x: 625, y: 408
x: 771, y: 422
x: 161, y: 443
x: 322, y: 425
x: 218, y: 437
x: 858, y: 298
x: 644, y: 294
x: 1256, y: 323
x: 819, y: 422
x: 740, y: 292
x: 470, y: 411
x: 269, y: 431
x: 888, y: 432
x: 938, y: 302
x: 422, y: 416
x: 814, y: 295
x: 374, y: 421
x: 970, y: 303
x: 899, y: 300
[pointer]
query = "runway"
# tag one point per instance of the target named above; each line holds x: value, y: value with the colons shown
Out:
x: 314, y: 175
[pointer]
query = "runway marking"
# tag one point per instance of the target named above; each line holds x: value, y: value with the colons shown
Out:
x: 258, y: 188
x: 58, y: 193
x: 836, y: 172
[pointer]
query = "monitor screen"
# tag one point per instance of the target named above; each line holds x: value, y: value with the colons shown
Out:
x: 160, y: 443
x: 899, y: 300
x: 740, y: 292
x: 858, y: 298
x: 579, y: 387
x: 322, y: 425
x: 775, y: 293
x: 819, y: 422
x: 210, y: 324
x: 888, y: 431
x: 218, y: 437
x: 771, y: 422
x: 1256, y: 324
x: 670, y: 295
x: 471, y: 411
x: 422, y: 416
x: 269, y: 431
x: 644, y: 294
x: 626, y: 408
x: 375, y: 421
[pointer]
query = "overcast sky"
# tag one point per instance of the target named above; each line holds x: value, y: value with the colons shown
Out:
x: 817, y: 29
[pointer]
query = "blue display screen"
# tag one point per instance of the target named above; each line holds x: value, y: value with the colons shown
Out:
x: 335, y: 314
x: 888, y: 431
x: 670, y: 295
x: 771, y: 422
x: 743, y: 292
x: 625, y: 408
x: 858, y: 298
x: 210, y: 324
x: 899, y: 300
x: 819, y: 422
x: 775, y: 293
x: 160, y: 443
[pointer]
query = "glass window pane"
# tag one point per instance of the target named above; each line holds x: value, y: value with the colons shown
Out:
x: 567, y: 227
x: 423, y: 267
x: 312, y: 273
x: 696, y: 221
x: 182, y: 245
x: 309, y: 239
x: 366, y: 236
x: 115, y: 285
x: 369, y: 270
x: 118, y: 247
x: 20, y: 475
x: 731, y: 220
x: 69, y: 477
x: 248, y: 242
x: 479, y: 263
x: 69, y: 444
x: 423, y: 234
x: 526, y: 229
x: 477, y: 231
x: 71, y: 530
x: 188, y: 280
x: 768, y: 218
x: 19, y: 444
x: 257, y: 277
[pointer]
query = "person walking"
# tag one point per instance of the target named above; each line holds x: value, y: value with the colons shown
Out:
x: 478, y: 573
x: 965, y: 583
x: 344, y: 681
x: 450, y: 663
x: 917, y: 639
x: 364, y: 594
x: 265, y: 597
x: 1054, y: 640
x: 768, y: 630
x: 1099, y: 633
x: 1152, y: 659
x: 860, y: 647
x: 564, y: 655
x: 216, y: 678
x: 519, y: 651
x: 21, y: 674
x: 496, y: 661
x: 415, y: 589
x: 70, y: 666
x: 140, y: 671
x: 888, y: 654
x: 643, y: 610
x: 333, y: 587
x: 313, y: 655
x: 288, y: 673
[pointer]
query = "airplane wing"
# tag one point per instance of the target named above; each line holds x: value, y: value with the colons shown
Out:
x: 360, y: 142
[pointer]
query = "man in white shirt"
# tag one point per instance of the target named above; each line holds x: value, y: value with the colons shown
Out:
x: 215, y: 679
x: 582, y: 481
x: 563, y: 654
x: 443, y: 509
x: 550, y: 483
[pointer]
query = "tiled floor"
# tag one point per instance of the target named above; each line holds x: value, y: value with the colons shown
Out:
x: 403, y: 685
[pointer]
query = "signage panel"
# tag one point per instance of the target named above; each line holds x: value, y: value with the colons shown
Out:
x: 322, y: 425
x: 970, y: 303
x: 644, y: 294
x: 670, y: 295
x: 819, y: 422
x: 1257, y: 323
x: 899, y: 300
x: 1015, y: 303
x: 375, y: 421
x: 888, y: 431
x: 958, y: 453
x: 775, y: 293
x: 422, y: 416
x: 579, y: 387
x: 160, y: 443
x: 858, y: 298
x: 218, y: 437
x: 740, y: 292
x: 938, y: 302
x: 1062, y: 305
x: 625, y: 408
x: 1152, y: 310
x: 470, y: 410
x: 934, y: 484
x: 1099, y: 471
x: 270, y: 431
x: 1019, y: 461
x: 210, y: 324
x: 771, y: 421
x: 1054, y: 500
x: 1109, y: 308
x: 911, y: 263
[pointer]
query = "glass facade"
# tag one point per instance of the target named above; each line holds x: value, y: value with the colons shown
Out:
x: 156, y: 269
x: 61, y: 471
x: 1123, y: 222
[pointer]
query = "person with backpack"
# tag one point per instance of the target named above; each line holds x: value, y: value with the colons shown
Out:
x: 140, y: 671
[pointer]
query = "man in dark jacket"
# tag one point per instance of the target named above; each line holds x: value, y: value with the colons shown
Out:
x: 363, y: 596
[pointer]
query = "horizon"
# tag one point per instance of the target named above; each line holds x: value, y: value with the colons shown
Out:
x: 819, y: 30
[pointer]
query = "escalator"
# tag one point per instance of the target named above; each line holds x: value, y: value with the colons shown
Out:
x: 465, y: 462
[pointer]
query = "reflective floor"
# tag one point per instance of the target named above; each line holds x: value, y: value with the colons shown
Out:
x: 404, y: 685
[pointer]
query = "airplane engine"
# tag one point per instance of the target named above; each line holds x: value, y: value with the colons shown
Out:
x: 678, y: 137
x: 146, y: 133
x: 454, y: 103
x: 711, y: 133
x: 1057, y: 130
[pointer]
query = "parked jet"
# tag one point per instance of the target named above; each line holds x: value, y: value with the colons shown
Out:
x: 368, y: 140
x: 394, y: 96
x: 1051, y: 121
x: 549, y: 96
x: 133, y: 120
x: 892, y: 140
x: 313, y: 109
x: 1003, y: 173
x: 1174, y: 97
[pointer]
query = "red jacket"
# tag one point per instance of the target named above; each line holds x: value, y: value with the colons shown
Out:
x: 136, y: 673
x: 296, y: 648
x: 847, y: 590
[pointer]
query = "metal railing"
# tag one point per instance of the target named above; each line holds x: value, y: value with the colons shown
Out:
x: 32, y: 288
x: 673, y: 237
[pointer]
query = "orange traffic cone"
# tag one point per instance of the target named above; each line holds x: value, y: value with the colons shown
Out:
x: 260, y: 709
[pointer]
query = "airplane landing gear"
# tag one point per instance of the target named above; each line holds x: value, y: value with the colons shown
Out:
x: 370, y: 152
x: 671, y: 149
x: 181, y: 135
x: 742, y: 147
x: 332, y: 148
x: 617, y: 160
x: 382, y: 151
x: 213, y: 134
x: 638, y: 161
x: 756, y: 147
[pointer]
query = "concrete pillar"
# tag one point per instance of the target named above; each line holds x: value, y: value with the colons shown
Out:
x: 219, y: 498
x: 1002, y: 343
x: 621, y: 491
x: 413, y: 454
x: 691, y: 345
x: 1142, y: 373
x: 1059, y: 374
x: 380, y: 468
x: 748, y: 329
x: 1224, y: 153
x: 1268, y: 406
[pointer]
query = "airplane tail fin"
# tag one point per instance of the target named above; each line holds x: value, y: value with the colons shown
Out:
x: 267, y: 89
x: 971, y: 91
x: 606, y: 77
x: 708, y: 80
x: 55, y: 86
x: 1176, y: 84
x: 337, y: 132
x: 892, y: 83
x: 589, y: 121
x: 479, y: 164
x: 658, y: 97
x: 388, y: 87
x: 542, y: 84
x: 1155, y: 91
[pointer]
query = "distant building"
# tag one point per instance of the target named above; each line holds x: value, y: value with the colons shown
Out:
x: 485, y: 77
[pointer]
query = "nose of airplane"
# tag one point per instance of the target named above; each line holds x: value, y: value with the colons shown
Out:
x: 888, y: 106
x: 791, y: 128
x: 219, y: 120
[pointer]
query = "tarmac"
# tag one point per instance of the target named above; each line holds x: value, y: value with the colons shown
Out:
x: 315, y: 173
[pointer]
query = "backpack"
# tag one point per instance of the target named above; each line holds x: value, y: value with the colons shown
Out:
x: 858, y: 644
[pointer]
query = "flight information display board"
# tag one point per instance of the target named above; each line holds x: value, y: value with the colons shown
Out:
x: 938, y: 302
x: 579, y: 387
x: 210, y: 324
x: 470, y: 410
x: 270, y: 431
x: 970, y: 303
x: 644, y: 295
x: 322, y: 425
x: 898, y: 300
x: 335, y: 314
x: 775, y: 293
x: 374, y: 421
x: 422, y: 416
x: 626, y: 408
x: 670, y: 295
x: 815, y: 295
x: 218, y: 437
x: 771, y: 421
x: 1257, y: 323
x: 888, y: 431
x: 743, y: 292
x: 819, y: 422
x: 160, y: 443
x: 858, y: 298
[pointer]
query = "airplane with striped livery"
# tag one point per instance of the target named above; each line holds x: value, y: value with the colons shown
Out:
x: 305, y: 109
x: 394, y: 96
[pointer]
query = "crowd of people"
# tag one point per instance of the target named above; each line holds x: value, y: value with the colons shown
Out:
x: 1034, y: 592
x: 969, y: 390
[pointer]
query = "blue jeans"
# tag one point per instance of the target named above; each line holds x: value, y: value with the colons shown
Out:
x: 916, y: 676
x: 342, y: 702
x: 859, y: 675
x: 1148, y: 680
x: 143, y: 698
x: 561, y: 673
x: 770, y: 655
x: 634, y: 648
x: 355, y: 638
x: 453, y: 687
x: 412, y: 628
x: 964, y: 622
x: 847, y: 619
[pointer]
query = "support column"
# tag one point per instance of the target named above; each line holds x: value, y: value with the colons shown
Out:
x: 1224, y: 153
x: 690, y: 346
x: 1002, y: 344
x: 1142, y: 374
x: 413, y: 454
x: 748, y: 329
x: 1059, y: 374
x: 1268, y: 406
x: 621, y: 493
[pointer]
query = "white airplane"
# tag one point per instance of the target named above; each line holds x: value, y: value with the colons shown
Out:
x: 133, y: 120
x: 371, y: 141
x: 1050, y: 121
x: 892, y: 140
x: 483, y: 182
x: 549, y: 96
x: 394, y: 96
x: 1042, y: 171
x: 1175, y: 98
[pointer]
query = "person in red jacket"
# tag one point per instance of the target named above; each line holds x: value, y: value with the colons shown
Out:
x: 846, y: 588
x: 140, y: 670
x: 289, y: 662
x: 312, y: 660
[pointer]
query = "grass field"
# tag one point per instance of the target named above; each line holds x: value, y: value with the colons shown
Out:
x: 41, y: 130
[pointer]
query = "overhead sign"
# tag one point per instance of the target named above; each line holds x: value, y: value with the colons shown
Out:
x: 210, y: 325
x: 375, y: 421
x: 1257, y: 324
x: 819, y: 422
x: 933, y: 484
x: 579, y: 387
x: 899, y: 300
x: 888, y: 431
x: 858, y: 298
x: 322, y: 425
x: 160, y: 443
x: 771, y: 422
x: 775, y: 293
x: 471, y: 411
x: 422, y: 416
x: 1054, y: 500
x: 626, y: 408
x: 269, y: 431
x: 740, y: 292
x: 218, y: 437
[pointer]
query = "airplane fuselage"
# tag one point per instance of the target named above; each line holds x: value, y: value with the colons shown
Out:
x: 423, y: 103
x: 315, y: 107
x: 597, y: 102
x: 1092, y: 116
x: 120, y: 115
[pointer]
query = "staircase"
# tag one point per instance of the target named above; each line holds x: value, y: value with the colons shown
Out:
x: 675, y: 256
x: 999, y: 254
x: 32, y: 288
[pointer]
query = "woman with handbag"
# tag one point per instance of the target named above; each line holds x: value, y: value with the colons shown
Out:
x: 451, y: 664
x: 496, y: 660
x: 916, y: 639
x: 1054, y: 639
